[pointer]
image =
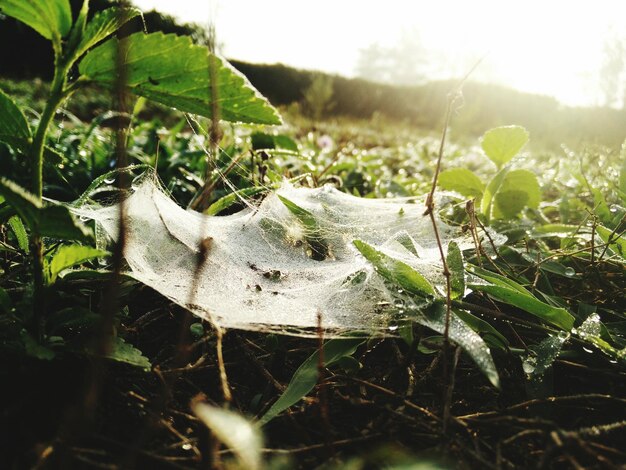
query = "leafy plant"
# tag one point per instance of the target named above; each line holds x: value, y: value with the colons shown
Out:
x: 165, y: 68
x: 510, y: 190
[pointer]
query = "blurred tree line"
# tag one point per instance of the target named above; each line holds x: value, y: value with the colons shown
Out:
x: 321, y: 95
x: 483, y: 106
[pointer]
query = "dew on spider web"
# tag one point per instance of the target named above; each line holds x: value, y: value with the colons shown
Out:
x: 235, y: 288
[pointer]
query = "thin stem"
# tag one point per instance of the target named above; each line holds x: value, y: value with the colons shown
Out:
x: 57, y: 94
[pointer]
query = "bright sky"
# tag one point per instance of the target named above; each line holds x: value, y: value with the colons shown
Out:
x: 553, y: 47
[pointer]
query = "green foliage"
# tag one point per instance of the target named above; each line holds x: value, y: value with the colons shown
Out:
x: 171, y: 70
x: 615, y: 241
x: 20, y: 233
x: 462, y: 181
x: 509, y: 191
x: 228, y: 200
x: 501, y: 144
x: 68, y: 256
x: 166, y: 68
x: 305, y: 378
x: 510, y: 292
x: 102, y: 25
x: 556, y: 247
x: 54, y: 221
x: 14, y: 128
x: 313, y: 232
x: 396, y: 271
x: 121, y: 351
x: 457, y: 270
x: 518, y: 189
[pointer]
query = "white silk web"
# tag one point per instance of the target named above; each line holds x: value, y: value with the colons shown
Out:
x: 259, y: 273
x: 263, y: 272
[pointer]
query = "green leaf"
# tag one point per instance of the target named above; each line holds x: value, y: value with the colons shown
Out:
x: 71, y: 255
x: 234, y: 431
x: 497, y: 279
x: 121, y: 351
x: 491, y: 335
x: 501, y: 144
x: 490, y: 191
x: 72, y: 318
x: 173, y: 71
x: 555, y: 316
x: 58, y: 222
x: 518, y: 189
x: 14, y: 128
x: 305, y: 378
x: 616, y: 242
x: 20, y: 233
x: 396, y: 271
x: 542, y: 356
x: 102, y: 25
x: 603, y: 211
x: 462, y: 181
x: 48, y: 221
x: 96, y: 183
x: 454, y: 260
x: 228, y: 200
x: 510, y: 292
x: 314, y: 238
x: 434, y: 317
x: 261, y: 140
x: 50, y: 18
x: 34, y: 349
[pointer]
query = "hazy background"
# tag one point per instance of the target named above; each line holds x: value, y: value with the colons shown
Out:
x: 571, y: 50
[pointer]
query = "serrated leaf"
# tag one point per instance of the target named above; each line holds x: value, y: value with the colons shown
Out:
x: 454, y: 260
x: 462, y: 181
x: 14, y: 128
x: 305, y: 378
x: 121, y: 351
x: 234, y: 431
x: 171, y: 70
x: 396, y: 271
x: 518, y: 189
x: 20, y: 232
x: 501, y: 144
x: 50, y: 18
x: 48, y: 221
x: 68, y: 256
x: 102, y: 25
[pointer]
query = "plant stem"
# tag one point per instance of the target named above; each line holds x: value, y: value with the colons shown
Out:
x: 57, y: 94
